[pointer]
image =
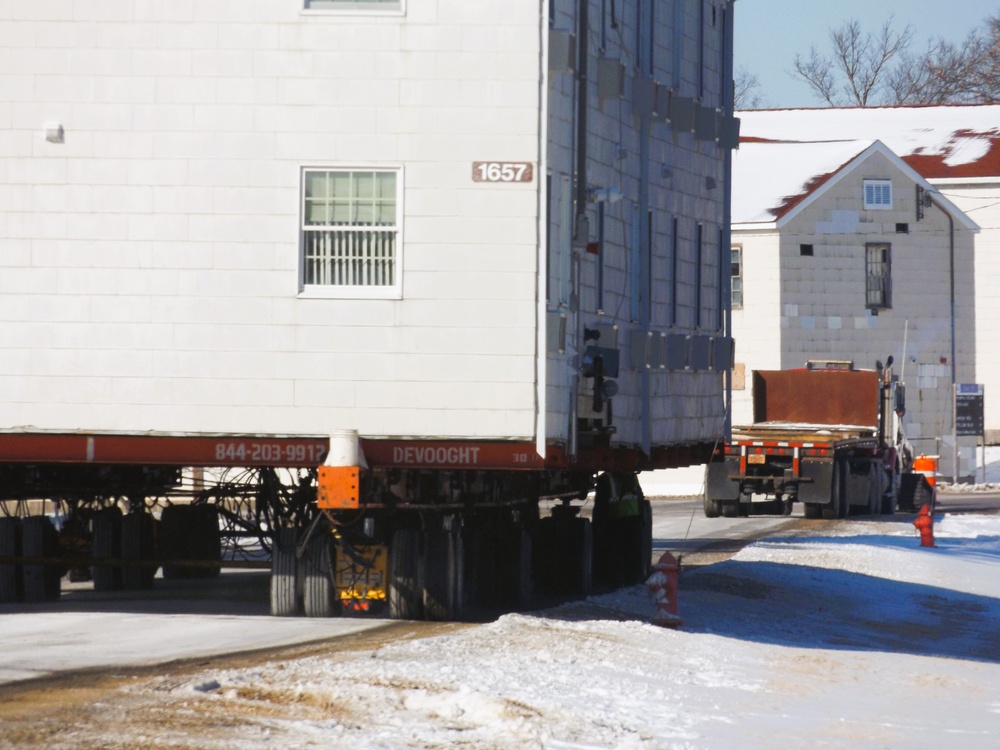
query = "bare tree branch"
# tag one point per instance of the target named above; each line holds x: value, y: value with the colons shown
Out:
x: 747, y: 91
x: 857, y: 71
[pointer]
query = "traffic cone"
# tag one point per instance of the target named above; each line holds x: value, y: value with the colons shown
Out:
x: 925, y: 524
x: 663, y: 588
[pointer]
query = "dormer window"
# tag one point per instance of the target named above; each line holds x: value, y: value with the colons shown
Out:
x: 878, y: 194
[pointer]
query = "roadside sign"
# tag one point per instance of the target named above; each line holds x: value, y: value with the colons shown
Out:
x: 969, y: 409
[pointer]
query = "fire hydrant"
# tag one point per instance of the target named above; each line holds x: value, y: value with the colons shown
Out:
x: 663, y: 588
x: 925, y: 524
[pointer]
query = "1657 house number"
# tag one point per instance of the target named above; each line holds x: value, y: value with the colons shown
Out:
x: 502, y: 171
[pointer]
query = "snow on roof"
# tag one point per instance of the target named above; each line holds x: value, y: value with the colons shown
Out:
x: 769, y: 179
x: 939, y: 142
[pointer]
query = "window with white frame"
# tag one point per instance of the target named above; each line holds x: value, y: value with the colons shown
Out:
x: 878, y: 275
x: 354, y: 5
x: 877, y: 194
x: 736, y: 273
x: 350, y: 231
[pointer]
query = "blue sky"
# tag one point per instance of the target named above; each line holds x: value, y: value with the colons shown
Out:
x: 769, y: 33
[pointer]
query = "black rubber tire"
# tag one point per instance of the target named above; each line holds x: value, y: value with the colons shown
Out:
x: 138, y: 542
x: 442, y: 579
x: 39, y: 539
x: 319, y: 594
x: 522, y: 568
x: 286, y: 583
x: 207, y: 542
x: 106, y: 530
x: 812, y: 510
x: 713, y: 508
x: 874, y: 490
x: 579, y: 557
x: 544, y: 555
x: 11, y: 576
x: 405, y: 575
x: 837, y: 506
x: 190, y: 532
x: 175, y: 522
x: 463, y: 596
x: 731, y: 509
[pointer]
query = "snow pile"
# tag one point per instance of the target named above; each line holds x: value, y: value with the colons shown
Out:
x: 857, y: 639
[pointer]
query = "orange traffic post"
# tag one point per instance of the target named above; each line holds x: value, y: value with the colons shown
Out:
x: 663, y: 585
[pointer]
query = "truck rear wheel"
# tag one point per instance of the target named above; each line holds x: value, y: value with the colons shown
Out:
x: 731, y: 509
x: 190, y: 532
x: 405, y: 574
x: 286, y: 584
x: 11, y: 582
x: 812, y: 510
x: 106, y: 528
x: 39, y: 539
x: 713, y: 508
x: 138, y: 545
x: 443, y: 574
x: 319, y: 595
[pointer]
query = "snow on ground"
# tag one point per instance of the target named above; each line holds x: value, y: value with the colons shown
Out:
x: 858, y: 638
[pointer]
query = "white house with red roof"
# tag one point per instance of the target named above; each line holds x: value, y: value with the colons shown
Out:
x: 837, y: 257
x: 956, y: 148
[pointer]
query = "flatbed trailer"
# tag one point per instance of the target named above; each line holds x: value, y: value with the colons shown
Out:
x: 428, y: 529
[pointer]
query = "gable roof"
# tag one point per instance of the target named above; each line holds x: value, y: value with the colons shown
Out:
x: 940, y: 142
x: 774, y: 180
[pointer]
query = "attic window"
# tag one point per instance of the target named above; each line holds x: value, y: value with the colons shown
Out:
x: 878, y: 194
x: 805, y: 250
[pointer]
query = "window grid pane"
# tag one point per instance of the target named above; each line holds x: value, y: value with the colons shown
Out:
x: 350, y: 258
x: 736, y: 272
x: 878, y: 277
x: 350, y: 228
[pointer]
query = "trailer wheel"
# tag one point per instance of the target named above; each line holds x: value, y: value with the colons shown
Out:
x: 462, y: 582
x: 106, y: 528
x: 544, y: 555
x: 175, y: 521
x: 138, y: 544
x: 190, y: 532
x: 39, y: 539
x: 812, y: 510
x: 405, y: 586
x: 523, y: 581
x: 442, y: 575
x: 207, y: 540
x: 318, y: 591
x: 712, y: 508
x: 580, y: 556
x: 286, y: 583
x: 731, y: 509
x: 11, y: 581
